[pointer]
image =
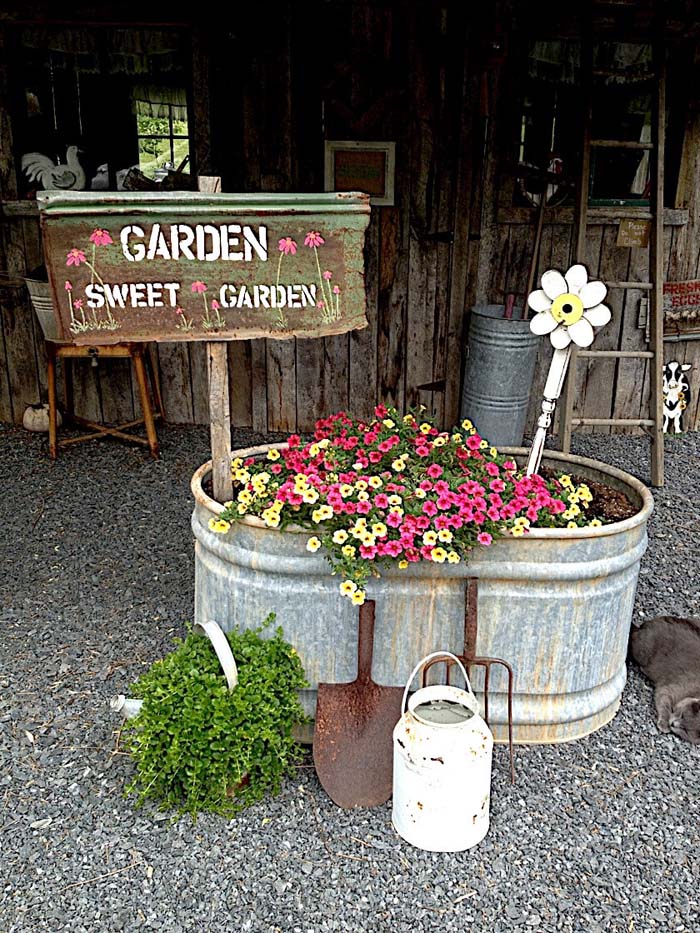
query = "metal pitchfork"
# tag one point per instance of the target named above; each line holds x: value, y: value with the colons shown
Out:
x: 470, y: 659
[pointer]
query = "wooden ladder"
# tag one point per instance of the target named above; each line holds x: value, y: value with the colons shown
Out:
x: 584, y: 215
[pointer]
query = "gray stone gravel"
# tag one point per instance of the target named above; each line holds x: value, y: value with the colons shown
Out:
x: 97, y: 574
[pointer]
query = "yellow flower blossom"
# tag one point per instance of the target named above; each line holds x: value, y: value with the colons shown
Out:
x: 438, y: 554
x: 219, y: 525
x: 241, y: 476
x: 346, y: 490
x: 398, y: 465
x: 426, y: 428
x: 493, y: 451
x: 242, y: 508
x: 403, y: 564
x: 368, y: 539
x: 408, y: 419
x: 375, y: 482
x: 430, y: 538
x: 362, y: 496
x: 571, y: 525
x: 565, y: 480
x: 574, y: 497
x: 358, y: 598
x: 518, y: 531
x: 467, y: 425
x: 595, y: 523
x: 314, y: 450
x: 457, y: 438
x: 310, y: 496
x: 445, y: 535
x: 271, y: 517
x: 395, y: 500
x: 236, y: 463
x: 419, y: 493
x: 483, y: 445
x: 227, y: 505
x: 379, y: 530
x: 361, y: 484
x: 522, y: 522
x: 273, y: 454
x: 347, y: 587
x: 313, y: 544
x: 388, y: 423
x: 453, y: 557
x: 340, y: 536
x: 244, y: 496
x: 440, y: 441
x: 349, y: 551
x: 323, y: 443
x: 322, y: 513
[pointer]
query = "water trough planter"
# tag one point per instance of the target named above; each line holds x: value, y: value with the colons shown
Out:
x: 556, y: 603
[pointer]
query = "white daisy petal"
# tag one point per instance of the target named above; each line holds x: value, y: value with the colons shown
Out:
x: 592, y: 294
x: 554, y: 284
x: 543, y: 323
x: 560, y: 338
x: 576, y: 278
x: 581, y: 333
x: 538, y: 301
x: 598, y: 316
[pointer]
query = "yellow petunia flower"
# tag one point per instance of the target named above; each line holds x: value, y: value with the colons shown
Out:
x: 467, y: 425
x: 408, y: 419
x: 518, y: 531
x: 440, y: 441
x: 403, y: 564
x: 358, y: 598
x: 361, y: 484
x: 242, y: 508
x: 347, y: 587
x: 273, y: 454
x: 395, y: 500
x: 445, y: 535
x: 483, y: 445
x: 388, y: 423
x: 453, y: 557
x: 236, y: 463
x: 314, y: 450
x: 375, y: 482
x: 398, y: 465
x: 457, y: 438
x: 362, y: 496
x: 493, y: 451
x: 349, y: 551
x: 419, y: 493
x: 426, y: 428
x: 571, y: 525
x: 340, y: 536
x: 313, y: 544
x: 346, y: 490
x: 368, y: 539
x: 219, y: 525
x: 430, y: 538
x: 438, y: 554
x: 379, y: 530
x: 310, y: 496
x: 595, y: 523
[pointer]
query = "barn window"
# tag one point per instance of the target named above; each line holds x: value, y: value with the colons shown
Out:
x: 161, y: 121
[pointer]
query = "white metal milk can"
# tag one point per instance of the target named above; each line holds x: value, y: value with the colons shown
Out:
x: 442, y: 767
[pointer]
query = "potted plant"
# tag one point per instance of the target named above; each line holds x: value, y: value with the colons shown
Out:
x: 425, y: 509
x: 199, y: 745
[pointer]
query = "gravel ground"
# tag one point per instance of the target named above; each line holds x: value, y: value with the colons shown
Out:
x: 599, y: 835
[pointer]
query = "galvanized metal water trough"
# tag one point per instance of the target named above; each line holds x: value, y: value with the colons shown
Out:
x: 556, y: 603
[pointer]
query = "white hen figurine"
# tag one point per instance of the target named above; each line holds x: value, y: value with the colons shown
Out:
x: 55, y: 177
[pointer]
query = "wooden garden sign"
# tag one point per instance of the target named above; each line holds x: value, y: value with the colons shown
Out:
x: 172, y: 266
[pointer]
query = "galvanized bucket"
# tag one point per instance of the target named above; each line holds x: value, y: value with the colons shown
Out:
x: 498, y: 374
x: 442, y: 766
x: 557, y: 603
x: 42, y: 302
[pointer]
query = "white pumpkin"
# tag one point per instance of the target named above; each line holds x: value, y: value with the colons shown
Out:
x: 36, y: 418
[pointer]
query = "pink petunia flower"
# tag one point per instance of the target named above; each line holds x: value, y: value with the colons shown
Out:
x: 75, y: 257
x: 434, y: 471
x: 101, y: 237
x: 313, y: 238
x: 484, y: 538
x: 327, y: 275
x: 68, y: 287
x: 198, y: 287
x: 287, y: 245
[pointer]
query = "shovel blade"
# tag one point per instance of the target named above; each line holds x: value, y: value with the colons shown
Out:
x: 353, y: 742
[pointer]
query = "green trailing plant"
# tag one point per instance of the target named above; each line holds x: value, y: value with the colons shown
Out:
x: 200, y: 747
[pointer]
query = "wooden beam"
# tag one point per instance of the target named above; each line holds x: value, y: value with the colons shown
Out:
x: 219, y: 420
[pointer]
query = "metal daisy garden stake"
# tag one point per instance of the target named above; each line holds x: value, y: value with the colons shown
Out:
x: 568, y: 308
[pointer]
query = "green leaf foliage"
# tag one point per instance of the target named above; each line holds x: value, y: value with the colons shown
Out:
x: 200, y: 747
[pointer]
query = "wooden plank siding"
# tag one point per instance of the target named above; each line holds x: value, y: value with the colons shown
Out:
x: 410, y: 73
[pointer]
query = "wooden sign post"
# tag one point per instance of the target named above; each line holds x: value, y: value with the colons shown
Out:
x: 205, y: 266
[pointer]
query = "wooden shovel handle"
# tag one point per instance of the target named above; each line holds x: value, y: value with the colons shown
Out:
x: 365, y: 641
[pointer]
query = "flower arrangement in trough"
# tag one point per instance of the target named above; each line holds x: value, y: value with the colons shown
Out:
x: 397, y: 490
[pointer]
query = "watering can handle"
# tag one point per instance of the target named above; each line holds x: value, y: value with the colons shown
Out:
x: 429, y: 657
x: 223, y: 650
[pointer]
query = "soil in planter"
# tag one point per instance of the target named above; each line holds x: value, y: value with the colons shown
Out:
x: 607, y: 504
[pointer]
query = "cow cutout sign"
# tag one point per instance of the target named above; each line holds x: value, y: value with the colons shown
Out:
x: 676, y: 395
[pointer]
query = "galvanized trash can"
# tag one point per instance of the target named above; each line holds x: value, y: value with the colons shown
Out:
x: 500, y: 366
x: 442, y: 767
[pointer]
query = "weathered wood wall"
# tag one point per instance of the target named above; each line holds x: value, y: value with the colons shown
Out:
x: 267, y: 90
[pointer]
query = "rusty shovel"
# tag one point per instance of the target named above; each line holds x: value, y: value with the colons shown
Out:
x: 353, y: 750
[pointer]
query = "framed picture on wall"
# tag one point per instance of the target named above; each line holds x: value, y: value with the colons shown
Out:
x: 360, y: 166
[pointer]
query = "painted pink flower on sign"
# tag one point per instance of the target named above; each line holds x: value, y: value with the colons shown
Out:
x: 313, y: 239
x: 78, y: 304
x: 75, y: 257
x: 287, y: 245
x: 327, y: 275
x: 215, y: 305
x: 68, y: 287
x: 101, y: 237
x: 198, y: 288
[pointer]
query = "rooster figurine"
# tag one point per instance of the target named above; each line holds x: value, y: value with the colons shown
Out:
x: 62, y: 177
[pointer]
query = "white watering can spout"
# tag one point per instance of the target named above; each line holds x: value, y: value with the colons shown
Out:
x: 130, y: 706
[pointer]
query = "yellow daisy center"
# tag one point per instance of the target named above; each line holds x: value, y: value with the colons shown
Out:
x: 567, y: 309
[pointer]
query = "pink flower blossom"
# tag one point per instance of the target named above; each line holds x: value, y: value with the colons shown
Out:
x: 179, y: 311
x: 287, y: 245
x: 429, y: 508
x: 198, y: 288
x: 68, y: 287
x: 78, y: 303
x: 394, y: 520
x: 393, y: 548
x: 422, y: 450
x: 474, y: 442
x: 313, y: 238
x: 75, y: 257
x: 484, y: 538
x: 381, y: 501
x: 492, y: 469
x: 364, y: 507
x: 368, y: 551
x: 434, y: 470
x: 327, y: 275
x: 321, y: 304
x: 374, y: 456
x: 215, y: 305
x: 336, y: 290
x: 101, y: 237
